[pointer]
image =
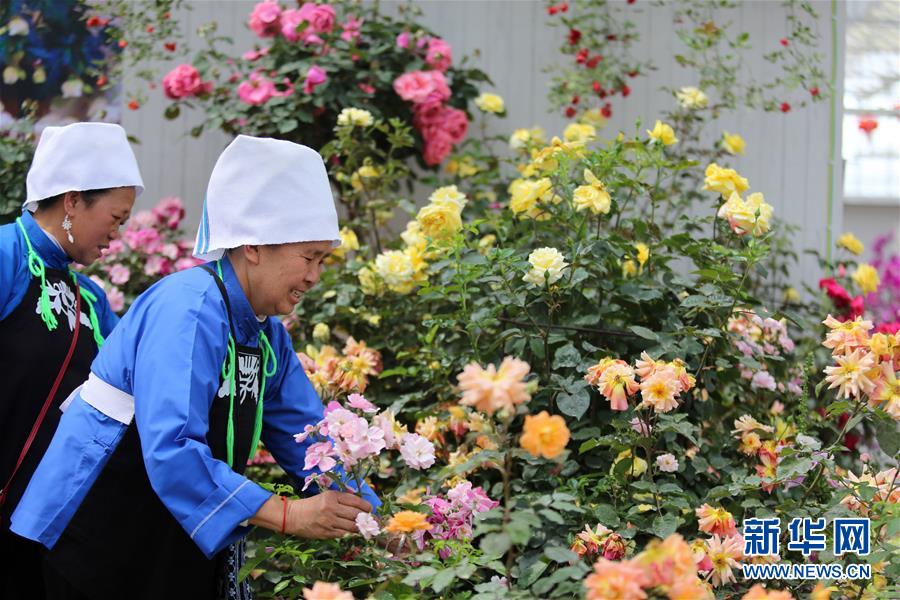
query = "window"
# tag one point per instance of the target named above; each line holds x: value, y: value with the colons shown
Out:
x: 871, y: 128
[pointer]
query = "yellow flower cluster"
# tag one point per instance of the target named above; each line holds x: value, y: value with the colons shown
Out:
x: 692, y: 97
x: 753, y: 215
x: 524, y: 139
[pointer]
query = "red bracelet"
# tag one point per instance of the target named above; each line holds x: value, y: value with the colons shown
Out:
x: 284, y: 514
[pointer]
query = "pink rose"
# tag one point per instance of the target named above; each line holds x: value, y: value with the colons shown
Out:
x: 291, y: 20
x: 351, y: 29
x: 157, y: 265
x: 145, y: 240
x: 455, y: 123
x: 422, y: 86
x: 169, y: 212
x: 437, y: 146
x: 315, y: 76
x: 264, y: 20
x: 114, y: 248
x: 428, y: 114
x: 439, y: 54
x: 119, y: 274
x: 116, y: 299
x: 252, y: 55
x: 142, y: 220
x: 403, y: 40
x: 184, y: 81
x: 365, y: 88
x: 257, y: 90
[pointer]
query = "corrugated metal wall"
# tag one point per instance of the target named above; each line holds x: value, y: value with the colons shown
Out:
x: 786, y: 156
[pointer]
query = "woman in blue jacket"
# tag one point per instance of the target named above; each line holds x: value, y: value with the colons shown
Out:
x: 80, y: 189
x: 141, y: 493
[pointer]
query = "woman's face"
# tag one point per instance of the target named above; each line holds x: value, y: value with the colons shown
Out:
x: 96, y: 224
x: 284, y: 273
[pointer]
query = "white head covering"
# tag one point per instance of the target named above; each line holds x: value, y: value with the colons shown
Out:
x: 81, y: 157
x: 266, y: 191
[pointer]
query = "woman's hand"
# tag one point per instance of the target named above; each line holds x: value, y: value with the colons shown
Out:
x: 329, y: 514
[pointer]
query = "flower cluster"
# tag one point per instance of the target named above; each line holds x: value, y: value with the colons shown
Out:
x: 668, y: 565
x: 400, y: 271
x: 453, y: 516
x: 762, y: 338
x: 600, y: 541
x: 865, y: 366
x: 885, y: 486
x: 151, y: 247
x: 764, y: 442
x: 440, y: 125
x: 753, y: 215
x: 661, y: 383
x: 350, y: 439
x: 333, y: 373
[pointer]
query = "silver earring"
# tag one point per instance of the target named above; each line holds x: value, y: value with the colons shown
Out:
x: 67, y: 226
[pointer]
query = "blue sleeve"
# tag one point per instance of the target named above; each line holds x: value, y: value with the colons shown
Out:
x: 14, y: 275
x: 291, y: 403
x: 105, y: 315
x: 180, y: 347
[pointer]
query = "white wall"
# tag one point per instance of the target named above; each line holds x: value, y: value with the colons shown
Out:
x: 786, y: 156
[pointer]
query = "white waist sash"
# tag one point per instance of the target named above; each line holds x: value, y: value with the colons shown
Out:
x: 108, y: 399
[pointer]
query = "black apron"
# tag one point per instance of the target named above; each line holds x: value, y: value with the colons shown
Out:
x: 31, y: 357
x: 123, y: 542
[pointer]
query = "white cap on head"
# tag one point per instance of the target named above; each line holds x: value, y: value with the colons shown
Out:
x: 81, y: 157
x: 266, y: 191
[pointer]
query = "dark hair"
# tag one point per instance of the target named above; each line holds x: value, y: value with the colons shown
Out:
x: 89, y: 196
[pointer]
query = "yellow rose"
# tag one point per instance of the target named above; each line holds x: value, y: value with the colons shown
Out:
x: 396, y: 269
x: 547, y: 261
x: 463, y: 167
x: 643, y: 253
x: 490, y: 103
x: 349, y: 242
x: 594, y: 117
x: 439, y: 221
x: 791, y: 295
x: 733, y: 143
x: 544, y: 435
x: 691, y: 97
x: 355, y: 117
x: 663, y: 134
x: 546, y: 159
x: 629, y: 268
x: 527, y: 194
x: 486, y: 243
x: 368, y: 282
x: 762, y: 214
x: 724, y: 181
x: 753, y: 216
x: 39, y: 76
x: 866, y: 277
x: 579, y: 132
x: 361, y: 177
x: 851, y: 243
x: 592, y: 196
x: 450, y: 195
x: 638, y: 465
x: 321, y: 332
x: 522, y: 138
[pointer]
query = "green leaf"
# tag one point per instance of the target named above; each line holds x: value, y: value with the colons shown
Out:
x: 888, y: 436
x: 607, y: 515
x: 644, y: 333
x: 665, y: 525
x: 567, y: 356
x: 560, y: 555
x: 495, y: 544
x: 574, y: 405
x: 443, y: 579
x: 419, y: 575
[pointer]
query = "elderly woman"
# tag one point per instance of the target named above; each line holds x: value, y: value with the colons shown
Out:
x: 142, y: 493
x: 80, y: 189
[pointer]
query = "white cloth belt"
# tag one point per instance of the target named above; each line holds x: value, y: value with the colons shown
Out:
x: 110, y: 400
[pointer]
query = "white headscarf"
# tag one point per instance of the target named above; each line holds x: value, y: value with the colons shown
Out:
x: 266, y: 191
x: 81, y: 157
